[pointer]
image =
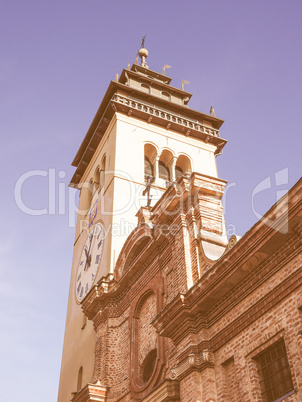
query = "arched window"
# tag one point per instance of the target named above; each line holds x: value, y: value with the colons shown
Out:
x: 164, y: 167
x: 148, y: 168
x: 145, y: 355
x: 102, y: 173
x: 80, y: 378
x: 178, y: 172
x: 90, y: 192
x: 150, y: 153
x: 163, y: 171
x: 96, y: 179
x: 183, y: 166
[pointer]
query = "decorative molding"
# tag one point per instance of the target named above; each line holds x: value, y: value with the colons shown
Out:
x: 91, y: 393
x: 193, y: 362
x: 263, y: 305
x: 139, y: 389
x: 184, y: 307
x: 232, y: 241
x: 168, y: 390
x: 166, y: 115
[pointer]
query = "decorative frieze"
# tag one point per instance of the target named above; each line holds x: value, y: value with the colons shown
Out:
x: 166, y: 115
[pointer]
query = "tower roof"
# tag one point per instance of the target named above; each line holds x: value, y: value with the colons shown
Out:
x: 127, y: 95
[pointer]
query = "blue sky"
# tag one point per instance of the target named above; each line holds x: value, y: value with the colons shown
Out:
x: 56, y: 61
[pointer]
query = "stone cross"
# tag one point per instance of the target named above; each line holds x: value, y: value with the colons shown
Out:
x: 147, y: 190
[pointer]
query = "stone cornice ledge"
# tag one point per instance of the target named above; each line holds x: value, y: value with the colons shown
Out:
x: 91, y: 393
x: 167, y: 390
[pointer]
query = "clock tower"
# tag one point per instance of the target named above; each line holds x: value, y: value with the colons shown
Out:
x: 143, y: 141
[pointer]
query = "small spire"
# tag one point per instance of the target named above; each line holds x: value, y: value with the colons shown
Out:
x: 143, y: 53
x: 136, y: 59
x: 212, y: 111
x: 164, y: 68
x: 183, y: 82
x: 116, y: 76
x: 128, y: 65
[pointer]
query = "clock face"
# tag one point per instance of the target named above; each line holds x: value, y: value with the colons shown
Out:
x: 89, y: 261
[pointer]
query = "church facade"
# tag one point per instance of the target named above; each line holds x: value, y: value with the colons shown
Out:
x: 162, y: 306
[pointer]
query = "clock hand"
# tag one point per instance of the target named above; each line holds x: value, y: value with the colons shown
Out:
x: 86, y: 253
x: 88, y: 257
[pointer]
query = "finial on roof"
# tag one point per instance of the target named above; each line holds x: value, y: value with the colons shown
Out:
x: 116, y: 76
x: 143, y: 53
x: 164, y: 68
x: 128, y: 65
x: 212, y: 111
x: 183, y: 82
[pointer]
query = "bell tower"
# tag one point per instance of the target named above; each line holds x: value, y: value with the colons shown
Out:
x: 143, y: 139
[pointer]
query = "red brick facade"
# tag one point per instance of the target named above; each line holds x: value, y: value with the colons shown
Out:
x: 173, y: 325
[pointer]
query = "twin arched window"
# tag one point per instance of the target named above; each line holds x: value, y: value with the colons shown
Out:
x: 165, y: 165
x: 96, y: 183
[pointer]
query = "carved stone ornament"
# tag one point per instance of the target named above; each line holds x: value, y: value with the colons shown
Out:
x: 192, y: 359
x: 193, y: 362
x: 206, y: 356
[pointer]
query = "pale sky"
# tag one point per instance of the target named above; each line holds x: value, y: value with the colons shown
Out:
x: 56, y: 61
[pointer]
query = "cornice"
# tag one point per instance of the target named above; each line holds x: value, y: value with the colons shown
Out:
x: 164, y: 117
x: 150, y: 108
x: 232, y: 268
x: 193, y: 362
x: 166, y: 391
x: 153, y: 81
x: 91, y: 393
x: 262, y: 306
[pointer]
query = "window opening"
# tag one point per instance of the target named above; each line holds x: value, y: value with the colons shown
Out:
x: 274, y: 373
x: 178, y: 172
x: 163, y: 171
x: 149, y: 365
x: 148, y: 168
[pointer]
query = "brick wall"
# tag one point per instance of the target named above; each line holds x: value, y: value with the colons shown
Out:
x: 207, y: 337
